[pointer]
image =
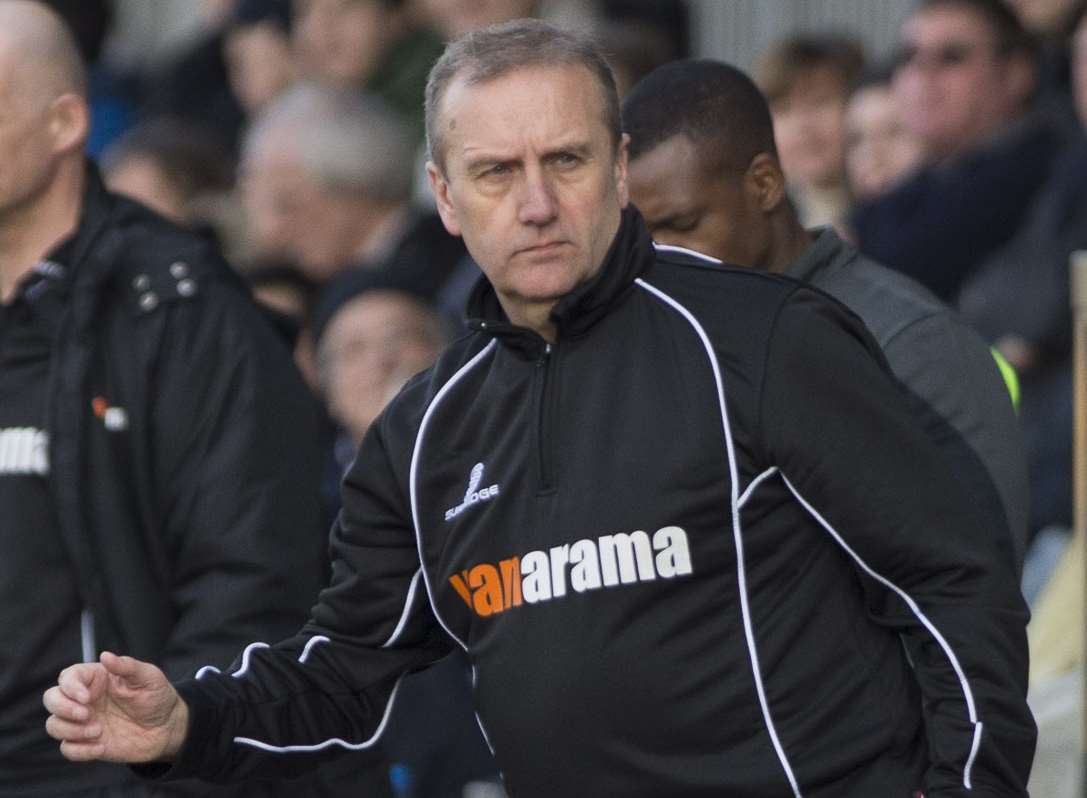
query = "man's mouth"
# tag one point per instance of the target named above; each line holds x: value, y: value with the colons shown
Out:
x: 546, y: 248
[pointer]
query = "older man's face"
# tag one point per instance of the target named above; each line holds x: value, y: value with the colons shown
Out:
x: 531, y: 180
x: 291, y: 215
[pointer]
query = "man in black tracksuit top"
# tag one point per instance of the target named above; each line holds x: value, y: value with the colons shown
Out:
x: 678, y: 523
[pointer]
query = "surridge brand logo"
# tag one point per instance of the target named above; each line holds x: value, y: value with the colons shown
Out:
x: 585, y: 565
x: 24, y: 451
x: 474, y: 494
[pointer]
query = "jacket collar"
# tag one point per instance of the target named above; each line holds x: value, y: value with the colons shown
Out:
x: 828, y: 252
x: 630, y: 254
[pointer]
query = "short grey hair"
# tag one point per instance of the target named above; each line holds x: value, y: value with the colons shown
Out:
x: 500, y: 49
x: 348, y: 141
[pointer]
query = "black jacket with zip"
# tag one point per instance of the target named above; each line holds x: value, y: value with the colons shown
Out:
x: 680, y: 546
x: 184, y: 452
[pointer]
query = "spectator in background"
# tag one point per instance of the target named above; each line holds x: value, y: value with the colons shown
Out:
x: 806, y: 80
x: 371, y: 340
x: 257, y: 50
x: 325, y: 176
x: 368, y: 349
x: 158, y: 452
x: 367, y: 45
x: 880, y: 150
x: 705, y: 174
x: 169, y: 166
x: 966, y: 71
x: 1019, y: 299
x: 327, y: 182
x: 964, y: 81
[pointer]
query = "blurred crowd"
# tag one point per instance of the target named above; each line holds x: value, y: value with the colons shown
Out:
x: 292, y: 134
x: 959, y: 160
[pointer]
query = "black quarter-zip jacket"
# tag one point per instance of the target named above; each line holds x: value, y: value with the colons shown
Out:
x: 682, y: 546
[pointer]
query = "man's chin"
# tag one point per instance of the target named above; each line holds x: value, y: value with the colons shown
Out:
x: 543, y: 280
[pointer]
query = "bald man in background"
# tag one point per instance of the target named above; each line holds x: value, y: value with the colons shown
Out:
x: 158, y: 460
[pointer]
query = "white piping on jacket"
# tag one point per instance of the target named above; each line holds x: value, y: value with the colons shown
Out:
x: 765, y: 475
x: 685, y: 251
x: 290, y: 749
x: 309, y: 647
x: 414, y: 472
x: 966, y: 691
x: 406, y: 612
x: 245, y: 659
x: 737, y: 533
x: 413, y: 495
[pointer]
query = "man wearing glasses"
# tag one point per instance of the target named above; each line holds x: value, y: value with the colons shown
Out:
x: 965, y: 76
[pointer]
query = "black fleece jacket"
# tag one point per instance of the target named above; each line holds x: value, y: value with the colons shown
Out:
x: 680, y: 546
x: 184, y: 451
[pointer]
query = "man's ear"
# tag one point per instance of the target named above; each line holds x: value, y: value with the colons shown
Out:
x: 68, y: 123
x: 622, y: 162
x: 440, y: 186
x: 765, y: 182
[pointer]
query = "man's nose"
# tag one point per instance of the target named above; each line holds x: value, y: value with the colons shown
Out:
x: 537, y: 205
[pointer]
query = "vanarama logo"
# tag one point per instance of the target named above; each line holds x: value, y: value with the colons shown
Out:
x: 474, y: 494
x: 608, y: 561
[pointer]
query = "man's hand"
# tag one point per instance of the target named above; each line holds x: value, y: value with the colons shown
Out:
x: 118, y: 710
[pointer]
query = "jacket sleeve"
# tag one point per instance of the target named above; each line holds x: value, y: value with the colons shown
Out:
x: 284, y: 709
x: 951, y: 369
x: 856, y: 457
x: 234, y: 437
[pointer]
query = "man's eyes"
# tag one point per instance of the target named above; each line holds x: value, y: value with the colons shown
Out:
x: 496, y: 170
x: 561, y: 160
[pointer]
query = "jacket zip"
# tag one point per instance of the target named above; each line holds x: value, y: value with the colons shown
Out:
x: 545, y: 403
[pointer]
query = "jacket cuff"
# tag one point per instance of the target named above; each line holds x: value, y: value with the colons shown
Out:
x: 200, y: 739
